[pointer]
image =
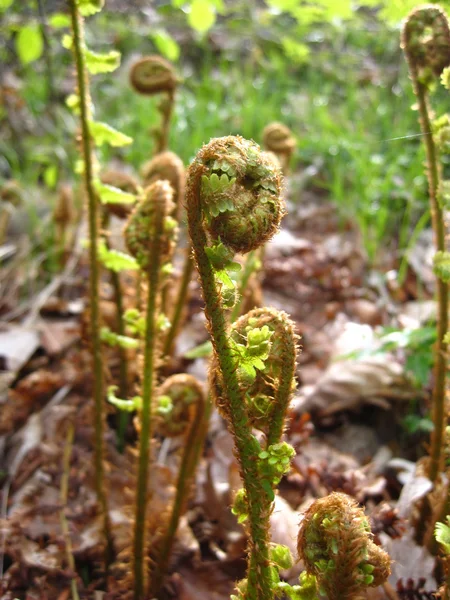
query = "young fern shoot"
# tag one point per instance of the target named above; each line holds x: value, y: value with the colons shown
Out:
x: 93, y: 133
x: 150, y: 237
x: 234, y: 205
x: 154, y: 75
x: 181, y: 410
x: 426, y: 44
x: 335, y: 543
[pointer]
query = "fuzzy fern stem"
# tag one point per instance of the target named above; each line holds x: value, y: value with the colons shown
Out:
x: 233, y: 196
x: 86, y: 145
x: 149, y: 237
x: 194, y: 439
x: 426, y: 44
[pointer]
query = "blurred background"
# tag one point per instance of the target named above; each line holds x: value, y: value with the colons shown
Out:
x: 332, y: 70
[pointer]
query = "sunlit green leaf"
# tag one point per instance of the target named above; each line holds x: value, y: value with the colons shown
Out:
x: 29, y: 43
x: 115, y: 260
x: 166, y: 45
x: 51, y: 176
x: 200, y: 351
x: 114, y: 339
x: 59, y: 20
x: 102, y: 63
x: 202, y: 15
x: 441, y: 266
x: 5, y: 4
x: 90, y: 7
x: 124, y: 405
x: 103, y: 133
x: 67, y: 41
x: 112, y: 195
x: 442, y: 535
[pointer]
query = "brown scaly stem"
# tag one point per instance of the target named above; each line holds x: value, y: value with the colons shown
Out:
x: 151, y: 244
x: 426, y: 43
x: 83, y: 91
x: 192, y: 446
x: 252, y: 216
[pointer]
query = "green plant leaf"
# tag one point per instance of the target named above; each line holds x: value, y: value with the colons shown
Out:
x: 102, y: 133
x: 114, y: 260
x: 201, y: 351
x: 102, y: 63
x: 441, y: 266
x: 59, y: 20
x: 166, y: 45
x: 51, y: 176
x: 29, y: 43
x: 90, y: 7
x: 5, y: 4
x: 124, y: 405
x: 202, y: 15
x: 442, y: 535
x: 253, y: 355
x: 112, y: 195
x: 114, y: 339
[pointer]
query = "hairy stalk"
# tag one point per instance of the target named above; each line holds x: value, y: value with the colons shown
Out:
x: 126, y: 183
x: 426, y: 44
x: 83, y: 91
x: 233, y: 195
x: 175, y: 317
x: 169, y: 166
x: 149, y: 241
x: 252, y: 264
x: 63, y: 493
x: 335, y: 543
x: 186, y: 390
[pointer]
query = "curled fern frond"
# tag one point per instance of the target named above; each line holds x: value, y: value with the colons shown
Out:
x: 264, y: 344
x: 167, y: 165
x: 335, y: 543
x: 152, y: 75
x: 176, y: 404
x: 426, y: 42
x: 150, y: 223
x: 238, y: 192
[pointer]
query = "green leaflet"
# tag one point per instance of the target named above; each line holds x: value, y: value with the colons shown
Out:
x: 200, y: 351
x: 442, y: 535
x: 90, y: 7
x: 253, y: 355
x: 441, y: 266
x: 114, y: 339
x: 115, y: 260
x: 125, y: 405
x: 102, y: 133
x: 112, y: 195
x: 221, y: 261
x: 215, y: 188
x: 102, y: 63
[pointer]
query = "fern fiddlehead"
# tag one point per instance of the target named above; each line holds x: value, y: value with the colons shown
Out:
x: 154, y: 75
x: 234, y: 205
x: 150, y: 237
x: 335, y: 543
x: 181, y: 410
x: 426, y: 44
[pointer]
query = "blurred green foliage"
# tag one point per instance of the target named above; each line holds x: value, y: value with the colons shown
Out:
x: 331, y: 70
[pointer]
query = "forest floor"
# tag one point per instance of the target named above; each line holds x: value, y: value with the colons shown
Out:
x: 347, y: 420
